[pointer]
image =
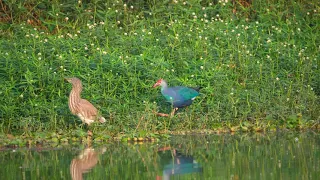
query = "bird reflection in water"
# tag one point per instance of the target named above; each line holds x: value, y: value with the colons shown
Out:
x: 84, y: 162
x: 176, y: 163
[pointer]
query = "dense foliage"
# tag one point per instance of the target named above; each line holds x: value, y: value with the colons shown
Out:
x: 256, y: 61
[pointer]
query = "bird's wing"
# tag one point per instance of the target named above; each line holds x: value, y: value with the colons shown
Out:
x: 187, y: 93
x: 170, y: 94
x: 87, y: 109
x: 179, y: 93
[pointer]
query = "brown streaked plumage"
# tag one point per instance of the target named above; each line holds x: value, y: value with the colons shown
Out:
x: 81, y: 107
x: 86, y: 160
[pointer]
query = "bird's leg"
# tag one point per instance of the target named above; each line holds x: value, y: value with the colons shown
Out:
x: 167, y: 115
x: 89, y: 134
x: 89, y: 138
x: 173, y: 111
x: 162, y: 114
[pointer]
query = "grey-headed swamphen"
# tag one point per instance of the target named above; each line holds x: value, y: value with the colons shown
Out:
x: 178, y: 96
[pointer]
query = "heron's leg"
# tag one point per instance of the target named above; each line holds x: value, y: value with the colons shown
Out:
x: 89, y: 138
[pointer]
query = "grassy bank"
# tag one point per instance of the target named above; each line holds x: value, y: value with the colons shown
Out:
x: 258, y: 64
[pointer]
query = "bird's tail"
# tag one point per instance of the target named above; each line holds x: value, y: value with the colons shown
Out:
x: 102, y: 119
x: 197, y: 88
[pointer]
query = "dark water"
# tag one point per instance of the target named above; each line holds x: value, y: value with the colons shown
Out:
x: 257, y: 156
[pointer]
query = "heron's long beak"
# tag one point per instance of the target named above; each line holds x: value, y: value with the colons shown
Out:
x: 67, y: 79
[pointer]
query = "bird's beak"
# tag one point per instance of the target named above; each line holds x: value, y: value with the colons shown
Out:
x: 155, y: 85
x: 67, y: 79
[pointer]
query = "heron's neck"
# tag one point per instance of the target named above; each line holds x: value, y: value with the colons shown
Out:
x: 75, y: 94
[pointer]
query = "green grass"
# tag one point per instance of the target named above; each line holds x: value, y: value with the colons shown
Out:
x: 258, y: 65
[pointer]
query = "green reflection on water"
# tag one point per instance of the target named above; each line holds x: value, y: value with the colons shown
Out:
x: 257, y: 156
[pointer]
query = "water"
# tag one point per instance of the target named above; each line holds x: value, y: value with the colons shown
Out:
x: 258, y: 156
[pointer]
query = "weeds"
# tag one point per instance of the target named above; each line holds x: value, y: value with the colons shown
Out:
x: 255, y: 60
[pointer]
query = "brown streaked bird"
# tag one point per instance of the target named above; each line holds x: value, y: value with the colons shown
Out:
x: 86, y: 161
x: 82, y: 107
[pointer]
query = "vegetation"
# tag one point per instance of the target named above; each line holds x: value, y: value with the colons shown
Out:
x: 257, y: 61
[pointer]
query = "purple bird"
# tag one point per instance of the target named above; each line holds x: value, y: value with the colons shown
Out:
x: 178, y: 96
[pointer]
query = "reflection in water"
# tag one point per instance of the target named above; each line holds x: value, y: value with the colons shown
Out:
x: 293, y: 156
x: 84, y: 162
x: 176, y: 163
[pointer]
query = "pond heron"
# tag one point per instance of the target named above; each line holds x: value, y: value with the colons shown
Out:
x: 82, y: 107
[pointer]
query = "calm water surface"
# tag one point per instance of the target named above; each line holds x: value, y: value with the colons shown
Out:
x: 242, y: 156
